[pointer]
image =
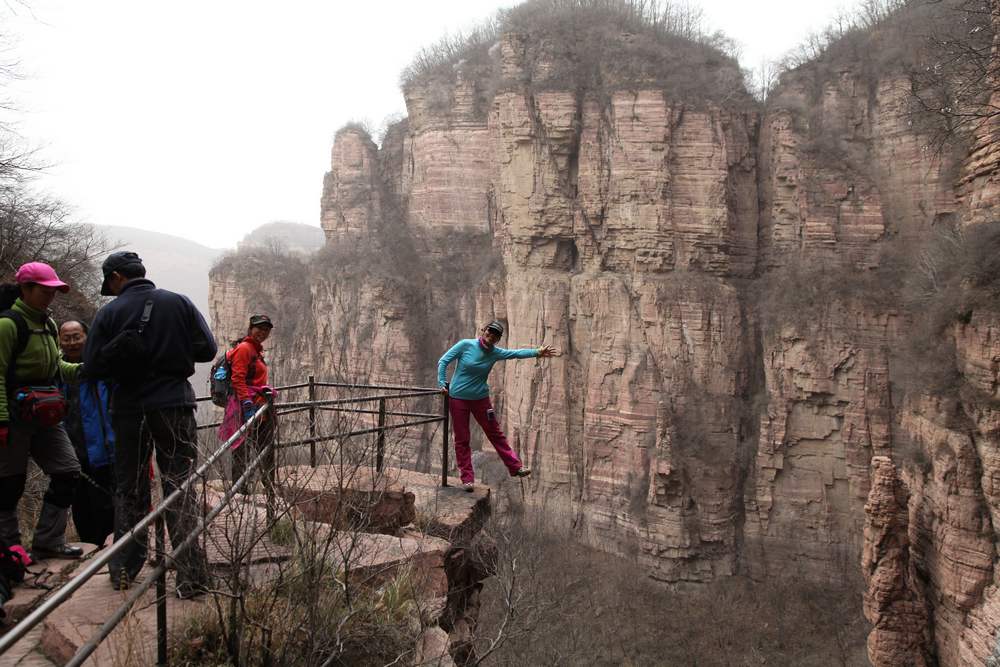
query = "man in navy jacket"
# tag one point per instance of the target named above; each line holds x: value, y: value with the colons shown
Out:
x: 152, y: 409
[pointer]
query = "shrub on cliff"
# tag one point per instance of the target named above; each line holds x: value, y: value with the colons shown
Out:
x: 808, y: 290
x: 603, y: 45
x: 259, y: 268
x: 445, y: 57
x: 591, y: 46
x: 943, y: 47
x: 296, y: 582
x: 578, y: 606
x: 953, y: 274
x: 929, y: 284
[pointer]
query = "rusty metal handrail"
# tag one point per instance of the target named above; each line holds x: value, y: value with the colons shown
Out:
x: 66, y: 590
x: 342, y: 385
x: 159, y: 572
x: 157, y: 576
x: 365, y: 431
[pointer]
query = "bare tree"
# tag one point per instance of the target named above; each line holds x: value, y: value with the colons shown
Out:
x: 958, y: 79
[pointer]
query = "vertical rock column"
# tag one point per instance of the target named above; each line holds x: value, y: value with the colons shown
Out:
x: 892, y: 602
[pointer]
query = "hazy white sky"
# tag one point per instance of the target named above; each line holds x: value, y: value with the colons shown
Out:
x: 207, y: 118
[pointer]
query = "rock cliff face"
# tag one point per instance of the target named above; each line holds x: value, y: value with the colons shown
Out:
x: 728, y: 398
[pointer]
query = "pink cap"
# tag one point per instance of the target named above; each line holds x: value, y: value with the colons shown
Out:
x: 40, y: 274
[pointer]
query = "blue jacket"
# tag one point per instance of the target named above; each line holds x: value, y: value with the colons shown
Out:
x: 176, y: 337
x: 468, y: 382
x: 88, y: 423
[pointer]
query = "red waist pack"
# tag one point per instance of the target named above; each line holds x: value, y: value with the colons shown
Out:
x: 40, y: 406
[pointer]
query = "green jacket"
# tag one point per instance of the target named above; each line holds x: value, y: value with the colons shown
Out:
x: 41, y: 359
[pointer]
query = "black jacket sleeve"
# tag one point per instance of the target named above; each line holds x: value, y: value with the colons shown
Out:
x: 202, y: 341
x: 94, y: 366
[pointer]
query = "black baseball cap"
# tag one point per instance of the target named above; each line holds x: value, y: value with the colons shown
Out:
x: 261, y: 321
x: 114, y: 262
x: 495, y: 327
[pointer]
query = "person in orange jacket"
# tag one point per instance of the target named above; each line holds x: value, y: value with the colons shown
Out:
x: 250, y: 391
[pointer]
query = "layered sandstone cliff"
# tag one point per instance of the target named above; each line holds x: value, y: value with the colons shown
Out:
x: 723, y: 283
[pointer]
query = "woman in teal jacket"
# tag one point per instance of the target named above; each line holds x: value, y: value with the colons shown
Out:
x: 469, y: 394
x: 29, y: 358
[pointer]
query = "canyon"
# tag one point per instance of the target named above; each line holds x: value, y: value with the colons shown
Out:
x: 737, y: 392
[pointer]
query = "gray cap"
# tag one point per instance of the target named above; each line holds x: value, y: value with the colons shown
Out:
x: 495, y: 327
x: 114, y: 262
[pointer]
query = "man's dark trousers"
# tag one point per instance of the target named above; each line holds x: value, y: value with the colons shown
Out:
x: 172, y: 433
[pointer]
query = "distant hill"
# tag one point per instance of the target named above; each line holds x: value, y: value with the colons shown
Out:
x: 292, y: 236
x: 172, y: 262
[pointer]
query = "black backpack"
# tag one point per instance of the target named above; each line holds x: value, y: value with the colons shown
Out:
x: 220, y: 379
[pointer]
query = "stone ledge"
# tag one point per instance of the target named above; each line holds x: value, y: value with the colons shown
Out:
x: 450, y: 512
x: 322, y: 494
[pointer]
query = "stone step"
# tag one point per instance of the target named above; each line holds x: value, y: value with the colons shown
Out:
x: 43, y: 576
x: 70, y: 626
x: 355, y: 498
x: 27, y: 652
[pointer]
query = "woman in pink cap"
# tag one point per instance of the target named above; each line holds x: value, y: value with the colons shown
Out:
x: 32, y: 409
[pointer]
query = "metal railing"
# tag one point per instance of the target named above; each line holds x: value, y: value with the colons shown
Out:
x: 164, y: 561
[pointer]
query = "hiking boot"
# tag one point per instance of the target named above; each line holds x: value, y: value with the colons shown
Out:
x: 122, y: 577
x: 62, y: 551
x: 523, y: 472
x: 120, y: 581
x: 469, y: 486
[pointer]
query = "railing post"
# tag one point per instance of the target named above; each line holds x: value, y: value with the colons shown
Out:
x: 161, y: 594
x: 270, y: 462
x: 444, y: 440
x: 312, y: 422
x: 380, y: 447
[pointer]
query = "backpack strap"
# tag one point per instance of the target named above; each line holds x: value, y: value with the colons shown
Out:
x: 23, y: 334
x: 146, y: 312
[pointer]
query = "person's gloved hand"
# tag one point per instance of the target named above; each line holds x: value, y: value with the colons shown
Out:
x: 3, y: 434
x: 248, y: 410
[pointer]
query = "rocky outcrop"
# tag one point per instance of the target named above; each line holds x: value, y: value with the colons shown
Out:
x: 894, y: 605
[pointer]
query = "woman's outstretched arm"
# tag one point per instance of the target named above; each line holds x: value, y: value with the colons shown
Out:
x: 527, y: 352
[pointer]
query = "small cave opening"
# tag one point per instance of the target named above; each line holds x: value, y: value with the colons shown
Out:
x: 567, y: 255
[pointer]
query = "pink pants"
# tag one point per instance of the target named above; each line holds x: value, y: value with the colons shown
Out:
x: 460, y: 410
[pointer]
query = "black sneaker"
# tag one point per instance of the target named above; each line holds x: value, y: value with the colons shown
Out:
x: 523, y: 472
x: 62, y: 551
x: 469, y: 486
